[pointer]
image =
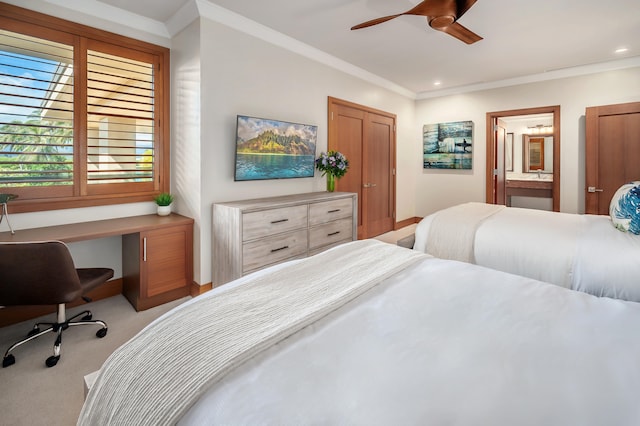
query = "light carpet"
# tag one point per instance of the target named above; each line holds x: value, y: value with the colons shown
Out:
x: 33, y: 394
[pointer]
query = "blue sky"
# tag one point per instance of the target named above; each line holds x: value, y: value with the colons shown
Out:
x: 20, y: 74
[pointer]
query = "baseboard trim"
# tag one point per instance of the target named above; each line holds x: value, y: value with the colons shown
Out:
x: 406, y: 222
x: 197, y: 289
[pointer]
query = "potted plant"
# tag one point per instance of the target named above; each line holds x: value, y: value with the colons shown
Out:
x: 164, y: 201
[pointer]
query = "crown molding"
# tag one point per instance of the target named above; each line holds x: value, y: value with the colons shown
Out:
x: 117, y: 20
x: 182, y: 18
x: 240, y: 23
x: 115, y: 15
x: 534, y: 78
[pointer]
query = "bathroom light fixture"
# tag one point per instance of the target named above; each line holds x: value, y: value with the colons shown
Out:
x: 539, y: 129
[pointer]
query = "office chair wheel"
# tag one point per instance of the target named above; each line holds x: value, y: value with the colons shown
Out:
x: 87, y: 317
x: 8, y: 360
x: 33, y: 332
x: 52, y: 360
x: 101, y: 333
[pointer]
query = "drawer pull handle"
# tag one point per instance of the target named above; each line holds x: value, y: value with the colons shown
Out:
x: 333, y: 233
x: 334, y: 211
x: 280, y: 221
x: 278, y: 249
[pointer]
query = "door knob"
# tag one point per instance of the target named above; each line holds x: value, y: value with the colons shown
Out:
x: 594, y: 189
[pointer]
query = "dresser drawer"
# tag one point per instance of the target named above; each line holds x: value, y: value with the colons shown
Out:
x: 327, y: 211
x: 249, y: 235
x: 273, y: 221
x: 330, y: 233
x: 274, y: 249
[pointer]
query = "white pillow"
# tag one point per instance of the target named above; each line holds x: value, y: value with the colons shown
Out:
x: 625, y: 208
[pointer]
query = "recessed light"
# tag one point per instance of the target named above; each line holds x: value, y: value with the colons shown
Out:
x: 437, y: 83
x: 622, y: 50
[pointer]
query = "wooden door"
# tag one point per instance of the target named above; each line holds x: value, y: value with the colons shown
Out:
x: 379, y: 176
x: 612, y: 152
x: 367, y: 137
x: 499, y: 176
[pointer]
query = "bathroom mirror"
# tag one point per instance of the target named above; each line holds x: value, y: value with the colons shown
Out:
x: 537, y: 153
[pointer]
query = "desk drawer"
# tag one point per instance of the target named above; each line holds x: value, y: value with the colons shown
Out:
x: 273, y: 221
x: 330, y: 233
x: 327, y: 211
x: 270, y: 250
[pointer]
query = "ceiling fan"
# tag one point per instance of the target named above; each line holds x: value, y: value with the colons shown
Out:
x: 442, y: 15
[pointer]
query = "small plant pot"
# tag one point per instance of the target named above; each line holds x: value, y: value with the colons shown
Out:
x: 164, y: 210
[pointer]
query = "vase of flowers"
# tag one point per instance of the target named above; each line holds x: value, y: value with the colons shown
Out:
x: 332, y: 164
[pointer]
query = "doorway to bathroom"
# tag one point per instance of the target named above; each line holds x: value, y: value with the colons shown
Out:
x: 523, y: 158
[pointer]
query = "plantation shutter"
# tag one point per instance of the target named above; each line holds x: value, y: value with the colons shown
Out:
x: 84, y: 114
x: 121, y: 122
x: 36, y: 115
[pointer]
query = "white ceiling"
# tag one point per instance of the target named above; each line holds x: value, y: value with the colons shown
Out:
x: 521, y: 38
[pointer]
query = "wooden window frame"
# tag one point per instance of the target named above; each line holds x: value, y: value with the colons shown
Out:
x: 17, y: 19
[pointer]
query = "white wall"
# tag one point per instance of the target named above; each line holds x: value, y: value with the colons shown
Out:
x: 186, y: 172
x: 437, y: 189
x: 245, y: 75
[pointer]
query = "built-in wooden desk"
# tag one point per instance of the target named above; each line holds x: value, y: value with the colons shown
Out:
x: 157, y: 253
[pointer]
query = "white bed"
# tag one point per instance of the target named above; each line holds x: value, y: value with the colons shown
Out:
x: 430, y: 342
x: 581, y: 252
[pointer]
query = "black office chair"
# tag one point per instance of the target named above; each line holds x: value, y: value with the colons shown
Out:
x: 43, y: 273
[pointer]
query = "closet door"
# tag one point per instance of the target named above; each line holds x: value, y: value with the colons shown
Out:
x: 367, y: 137
x: 612, y: 152
x: 379, y: 178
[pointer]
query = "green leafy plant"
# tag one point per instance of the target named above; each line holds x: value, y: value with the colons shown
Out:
x: 164, y: 199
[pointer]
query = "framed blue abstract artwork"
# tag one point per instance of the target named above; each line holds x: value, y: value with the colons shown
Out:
x: 448, y: 145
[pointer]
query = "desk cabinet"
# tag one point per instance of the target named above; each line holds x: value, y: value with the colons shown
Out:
x: 157, y: 265
x: 250, y: 235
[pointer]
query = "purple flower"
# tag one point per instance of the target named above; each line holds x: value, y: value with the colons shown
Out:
x: 333, y: 163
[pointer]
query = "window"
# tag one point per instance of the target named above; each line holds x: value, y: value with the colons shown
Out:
x: 83, y: 115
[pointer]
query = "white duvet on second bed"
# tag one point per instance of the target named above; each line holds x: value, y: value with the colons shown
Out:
x: 582, y: 252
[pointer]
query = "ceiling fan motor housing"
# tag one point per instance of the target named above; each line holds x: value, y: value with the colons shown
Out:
x: 439, y: 22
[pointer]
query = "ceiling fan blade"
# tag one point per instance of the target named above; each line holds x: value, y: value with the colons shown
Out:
x: 434, y: 8
x: 375, y: 21
x: 463, y: 6
x: 425, y: 8
x: 461, y: 33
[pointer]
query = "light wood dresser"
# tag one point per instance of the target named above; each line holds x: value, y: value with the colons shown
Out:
x: 249, y: 235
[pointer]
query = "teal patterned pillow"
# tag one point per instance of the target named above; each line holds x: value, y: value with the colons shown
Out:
x: 625, y: 208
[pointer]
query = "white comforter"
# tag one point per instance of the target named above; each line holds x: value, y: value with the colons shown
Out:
x: 445, y: 343
x: 581, y: 252
x: 438, y: 343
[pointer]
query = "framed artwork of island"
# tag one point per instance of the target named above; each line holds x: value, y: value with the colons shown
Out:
x: 274, y: 149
